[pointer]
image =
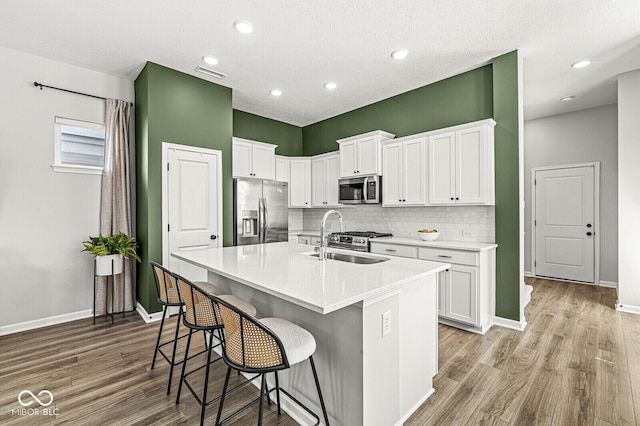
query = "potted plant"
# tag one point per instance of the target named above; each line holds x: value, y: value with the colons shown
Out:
x: 110, y: 251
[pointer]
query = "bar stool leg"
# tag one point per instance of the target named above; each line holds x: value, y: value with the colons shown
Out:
x: 224, y: 393
x: 315, y: 377
x: 278, y: 393
x: 173, y: 355
x: 262, y: 385
x: 206, y: 378
x: 184, y: 365
x: 155, y: 354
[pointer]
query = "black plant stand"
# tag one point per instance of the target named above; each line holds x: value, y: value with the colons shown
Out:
x: 113, y: 284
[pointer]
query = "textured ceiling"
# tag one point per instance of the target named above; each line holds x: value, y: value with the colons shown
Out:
x: 298, y: 45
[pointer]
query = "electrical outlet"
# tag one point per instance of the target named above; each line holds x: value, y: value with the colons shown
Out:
x: 386, y: 323
x: 466, y: 233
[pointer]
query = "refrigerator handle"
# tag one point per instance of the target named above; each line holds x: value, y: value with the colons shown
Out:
x: 262, y: 220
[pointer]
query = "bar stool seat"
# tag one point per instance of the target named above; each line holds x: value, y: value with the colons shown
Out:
x: 298, y: 343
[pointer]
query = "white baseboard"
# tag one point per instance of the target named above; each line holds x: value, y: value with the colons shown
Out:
x: 528, y: 274
x: 611, y: 284
x: 415, y: 407
x: 628, y: 308
x: 148, y: 317
x: 509, y: 323
x: 44, y: 322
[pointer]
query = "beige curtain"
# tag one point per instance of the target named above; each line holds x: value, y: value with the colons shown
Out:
x: 115, y: 206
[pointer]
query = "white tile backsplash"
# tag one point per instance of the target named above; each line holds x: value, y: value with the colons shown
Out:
x: 406, y: 221
x: 295, y: 219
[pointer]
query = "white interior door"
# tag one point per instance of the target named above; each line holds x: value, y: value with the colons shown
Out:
x: 564, y: 223
x: 194, y: 205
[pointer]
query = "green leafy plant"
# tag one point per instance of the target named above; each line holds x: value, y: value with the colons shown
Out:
x: 120, y: 243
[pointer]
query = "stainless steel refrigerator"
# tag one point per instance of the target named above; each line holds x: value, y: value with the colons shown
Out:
x: 260, y: 211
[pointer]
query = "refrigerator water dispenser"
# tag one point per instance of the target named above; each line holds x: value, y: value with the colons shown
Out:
x: 249, y: 223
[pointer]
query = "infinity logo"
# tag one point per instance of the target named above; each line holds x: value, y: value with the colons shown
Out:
x: 42, y: 392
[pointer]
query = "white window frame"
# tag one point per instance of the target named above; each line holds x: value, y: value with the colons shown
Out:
x: 57, y: 165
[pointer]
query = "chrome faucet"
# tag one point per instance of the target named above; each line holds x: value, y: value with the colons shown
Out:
x: 322, y: 255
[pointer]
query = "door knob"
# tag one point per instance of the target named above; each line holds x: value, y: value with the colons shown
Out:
x: 588, y: 225
x: 213, y: 237
x: 589, y: 233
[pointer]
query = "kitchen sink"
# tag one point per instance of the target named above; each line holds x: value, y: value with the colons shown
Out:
x: 361, y: 260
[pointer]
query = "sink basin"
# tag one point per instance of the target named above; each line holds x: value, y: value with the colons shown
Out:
x: 361, y: 260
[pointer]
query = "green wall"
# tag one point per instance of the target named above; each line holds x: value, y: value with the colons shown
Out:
x: 182, y: 109
x: 254, y: 127
x: 460, y: 99
x: 507, y: 159
x: 487, y: 92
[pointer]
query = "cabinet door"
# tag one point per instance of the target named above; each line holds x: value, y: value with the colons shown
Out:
x: 304, y: 239
x: 462, y: 294
x: 332, y: 174
x: 318, y: 178
x: 241, y: 159
x: 368, y: 156
x: 348, y: 159
x: 414, y: 172
x: 263, y: 162
x: 470, y: 166
x: 441, y: 168
x: 299, y: 186
x: 392, y: 176
x: 282, y: 169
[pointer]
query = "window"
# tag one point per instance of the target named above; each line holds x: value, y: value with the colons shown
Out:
x: 79, y: 146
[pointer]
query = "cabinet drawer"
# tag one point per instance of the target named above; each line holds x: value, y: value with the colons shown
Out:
x: 393, y: 250
x: 448, y: 256
x: 315, y: 241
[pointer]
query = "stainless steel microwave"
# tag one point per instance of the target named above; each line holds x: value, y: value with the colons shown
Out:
x: 361, y: 190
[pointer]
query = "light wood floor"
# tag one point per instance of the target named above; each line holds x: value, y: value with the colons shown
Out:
x: 577, y: 363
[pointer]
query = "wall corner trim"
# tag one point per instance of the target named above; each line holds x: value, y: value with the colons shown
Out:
x: 611, y: 284
x: 628, y: 308
x: 509, y: 323
x: 148, y: 317
x: 44, y: 322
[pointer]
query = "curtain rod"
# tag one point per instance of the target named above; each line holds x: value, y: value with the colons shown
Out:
x: 40, y: 85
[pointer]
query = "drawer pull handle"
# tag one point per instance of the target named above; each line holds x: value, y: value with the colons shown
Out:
x: 390, y: 250
x: 446, y: 257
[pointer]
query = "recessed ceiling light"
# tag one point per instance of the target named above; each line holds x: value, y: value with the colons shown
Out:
x: 276, y: 92
x: 581, y: 64
x: 243, y: 26
x: 567, y: 98
x: 399, y: 54
x: 330, y: 85
x: 210, y: 60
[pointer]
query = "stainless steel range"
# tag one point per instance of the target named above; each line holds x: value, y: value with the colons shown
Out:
x: 354, y: 240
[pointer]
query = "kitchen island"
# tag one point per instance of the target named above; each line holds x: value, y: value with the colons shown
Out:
x: 373, y: 371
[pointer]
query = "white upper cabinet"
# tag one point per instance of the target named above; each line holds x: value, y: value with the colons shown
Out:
x: 461, y: 165
x: 360, y: 155
x: 325, y: 172
x: 404, y: 172
x: 253, y: 159
x: 299, y: 182
x: 282, y: 168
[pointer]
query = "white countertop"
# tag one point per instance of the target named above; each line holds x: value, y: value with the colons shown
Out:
x: 456, y: 245
x: 286, y: 271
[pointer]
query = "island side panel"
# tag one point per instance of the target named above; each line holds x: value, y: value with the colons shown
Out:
x: 338, y: 356
x: 418, y: 342
x: 399, y: 366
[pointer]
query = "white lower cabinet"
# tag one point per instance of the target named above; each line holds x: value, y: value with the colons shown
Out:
x: 311, y: 240
x: 466, y: 290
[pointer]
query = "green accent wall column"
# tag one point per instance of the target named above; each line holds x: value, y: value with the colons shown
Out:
x: 254, y: 127
x: 178, y: 108
x: 507, y: 210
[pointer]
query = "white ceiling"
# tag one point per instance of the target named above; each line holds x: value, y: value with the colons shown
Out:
x: 297, y: 45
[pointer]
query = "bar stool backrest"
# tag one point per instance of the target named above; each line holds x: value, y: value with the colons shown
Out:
x: 199, y: 308
x: 248, y: 344
x: 165, y: 284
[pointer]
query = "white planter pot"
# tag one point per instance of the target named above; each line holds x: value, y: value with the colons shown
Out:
x: 104, y: 265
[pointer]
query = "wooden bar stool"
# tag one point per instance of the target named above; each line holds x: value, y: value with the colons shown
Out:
x: 168, y: 297
x: 263, y: 346
x: 199, y: 315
